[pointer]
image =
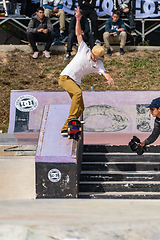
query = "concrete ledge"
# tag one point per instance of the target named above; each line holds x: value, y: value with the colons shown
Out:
x: 18, y: 150
x: 61, y: 48
x: 17, y: 177
x: 6, y: 48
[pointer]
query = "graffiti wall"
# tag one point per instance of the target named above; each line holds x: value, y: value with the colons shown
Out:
x: 110, y: 111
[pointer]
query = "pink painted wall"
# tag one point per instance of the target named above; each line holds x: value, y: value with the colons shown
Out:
x: 109, y: 111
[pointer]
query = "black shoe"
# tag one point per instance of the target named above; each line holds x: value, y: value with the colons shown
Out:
x: 109, y: 52
x: 64, y: 133
x: 68, y: 56
x: 121, y: 51
x: 133, y: 33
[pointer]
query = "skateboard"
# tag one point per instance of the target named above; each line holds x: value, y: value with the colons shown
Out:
x: 74, y: 129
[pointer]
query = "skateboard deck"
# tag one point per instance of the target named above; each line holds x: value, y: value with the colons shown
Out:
x: 74, y: 129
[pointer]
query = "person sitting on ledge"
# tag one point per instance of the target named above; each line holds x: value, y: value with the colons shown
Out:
x: 54, y: 7
x: 115, y: 31
x: 40, y: 29
x: 124, y: 6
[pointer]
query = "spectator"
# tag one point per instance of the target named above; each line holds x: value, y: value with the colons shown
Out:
x: 86, y: 34
x: 88, y: 11
x: 23, y: 6
x: 115, y: 31
x: 124, y: 6
x: 40, y: 29
x: 55, y: 8
x: 155, y: 111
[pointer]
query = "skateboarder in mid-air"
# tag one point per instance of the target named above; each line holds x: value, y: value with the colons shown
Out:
x: 86, y: 61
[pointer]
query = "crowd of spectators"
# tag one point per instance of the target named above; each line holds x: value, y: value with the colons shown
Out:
x: 39, y: 28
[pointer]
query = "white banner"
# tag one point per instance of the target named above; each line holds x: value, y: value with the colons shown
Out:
x: 143, y: 8
x: 147, y: 8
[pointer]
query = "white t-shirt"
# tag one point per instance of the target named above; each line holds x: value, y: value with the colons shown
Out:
x: 82, y: 64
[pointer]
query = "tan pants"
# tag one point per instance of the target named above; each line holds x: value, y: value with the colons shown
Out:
x: 75, y: 93
x: 61, y: 15
x: 115, y: 39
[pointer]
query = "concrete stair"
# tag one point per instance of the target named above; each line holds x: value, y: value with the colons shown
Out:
x: 117, y: 172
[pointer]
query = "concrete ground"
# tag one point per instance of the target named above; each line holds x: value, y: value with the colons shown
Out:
x: 83, y: 219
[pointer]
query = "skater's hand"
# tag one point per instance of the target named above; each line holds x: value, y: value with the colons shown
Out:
x: 110, y: 82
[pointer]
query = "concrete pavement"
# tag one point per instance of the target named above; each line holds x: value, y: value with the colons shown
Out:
x: 73, y: 219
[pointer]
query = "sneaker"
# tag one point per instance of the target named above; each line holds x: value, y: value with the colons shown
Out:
x: 35, y: 55
x: 109, y: 53
x: 62, y: 35
x: 46, y: 54
x: 68, y: 56
x: 133, y: 33
x: 82, y: 122
x: 97, y: 42
x: 121, y: 51
x: 64, y: 133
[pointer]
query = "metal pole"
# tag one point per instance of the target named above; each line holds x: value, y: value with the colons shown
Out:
x: 143, y: 33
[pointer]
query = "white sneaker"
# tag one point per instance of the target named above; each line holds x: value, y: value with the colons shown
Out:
x: 82, y: 122
x: 97, y: 42
x: 35, y: 55
x: 46, y: 54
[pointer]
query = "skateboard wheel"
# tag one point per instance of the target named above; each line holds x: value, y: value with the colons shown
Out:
x: 80, y: 129
x: 69, y: 136
x: 79, y: 137
x: 69, y: 129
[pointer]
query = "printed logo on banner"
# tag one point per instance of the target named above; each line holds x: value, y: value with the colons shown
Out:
x: 26, y: 103
x: 102, y: 7
x: 147, y: 8
x: 54, y: 175
x: 143, y: 8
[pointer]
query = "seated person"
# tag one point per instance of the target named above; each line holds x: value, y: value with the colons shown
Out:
x: 55, y: 8
x: 124, y: 6
x: 87, y: 7
x: 115, y: 31
x: 155, y: 111
x: 23, y: 6
x: 40, y: 29
x: 86, y: 34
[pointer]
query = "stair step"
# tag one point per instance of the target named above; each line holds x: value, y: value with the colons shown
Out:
x: 116, y: 148
x: 119, y: 176
x: 120, y: 166
x: 120, y: 195
x: 117, y: 157
x: 123, y: 186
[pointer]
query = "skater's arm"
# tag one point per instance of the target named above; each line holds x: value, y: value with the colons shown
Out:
x: 110, y: 80
x: 78, y: 25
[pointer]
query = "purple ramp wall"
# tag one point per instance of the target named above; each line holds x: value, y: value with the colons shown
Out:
x: 52, y: 147
x: 110, y: 111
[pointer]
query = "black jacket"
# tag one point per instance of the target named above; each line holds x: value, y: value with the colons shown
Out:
x: 84, y: 25
x: 35, y: 24
x: 155, y: 133
x: 87, y: 5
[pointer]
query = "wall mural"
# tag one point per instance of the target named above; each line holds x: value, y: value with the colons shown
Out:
x: 109, y: 111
